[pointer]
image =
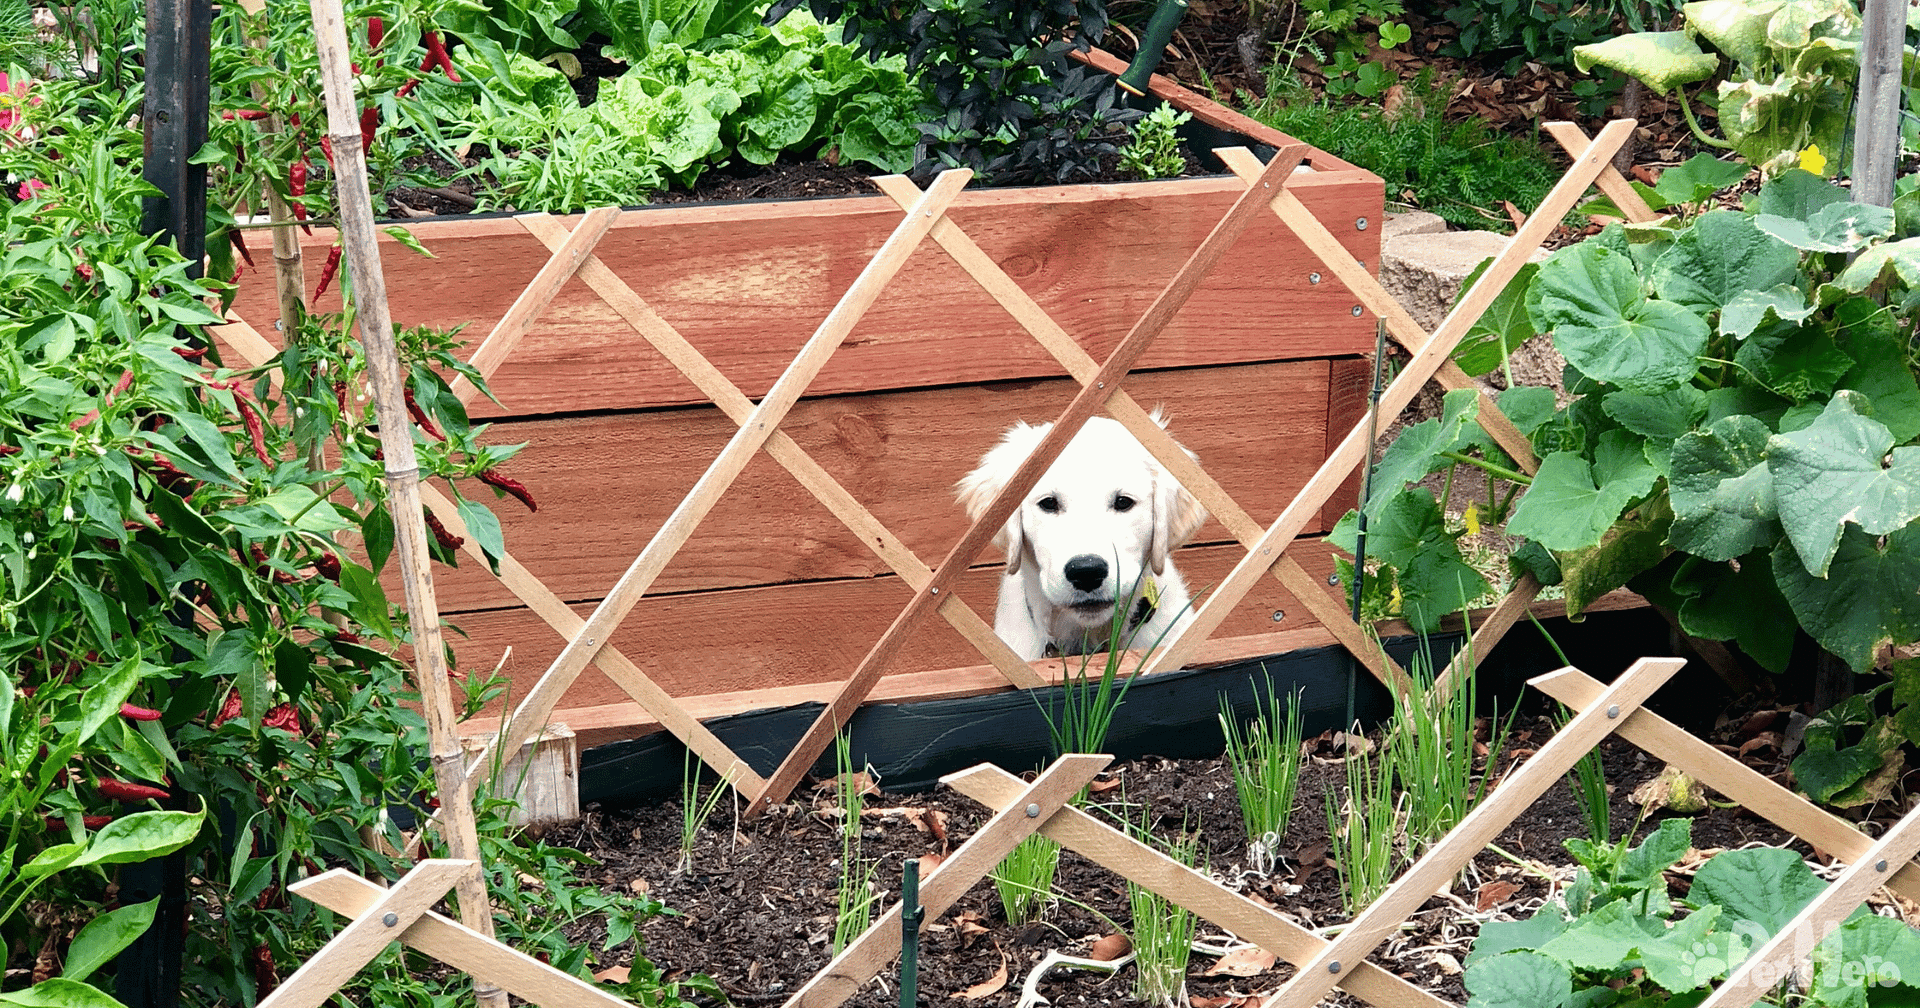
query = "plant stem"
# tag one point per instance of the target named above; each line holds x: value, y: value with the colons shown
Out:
x: 1494, y: 468
x: 1686, y: 110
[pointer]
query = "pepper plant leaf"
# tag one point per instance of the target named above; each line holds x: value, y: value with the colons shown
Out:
x: 1867, y: 598
x: 1606, y: 326
x: 1722, y: 256
x: 1830, y: 474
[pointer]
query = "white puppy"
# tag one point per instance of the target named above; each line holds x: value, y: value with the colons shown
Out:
x: 1099, y: 526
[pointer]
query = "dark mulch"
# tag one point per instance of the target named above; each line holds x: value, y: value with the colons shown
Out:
x: 756, y: 910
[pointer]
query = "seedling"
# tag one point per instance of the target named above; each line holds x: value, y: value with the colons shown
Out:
x: 1265, y: 759
x: 1162, y: 930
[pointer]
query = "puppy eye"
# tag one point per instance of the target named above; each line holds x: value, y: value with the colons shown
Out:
x: 1123, y: 503
x: 1050, y: 505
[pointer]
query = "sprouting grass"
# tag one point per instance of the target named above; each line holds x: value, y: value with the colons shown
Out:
x: 1024, y: 879
x: 1431, y: 749
x: 1588, y: 778
x: 1265, y: 758
x: 1461, y: 170
x: 1362, y: 829
x: 1162, y: 930
x: 695, y: 810
x: 853, y: 909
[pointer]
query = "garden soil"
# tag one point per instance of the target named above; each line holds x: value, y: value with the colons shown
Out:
x: 755, y: 910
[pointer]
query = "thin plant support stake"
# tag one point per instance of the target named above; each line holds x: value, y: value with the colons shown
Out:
x: 910, y: 916
x: 1360, y: 515
x: 402, y: 469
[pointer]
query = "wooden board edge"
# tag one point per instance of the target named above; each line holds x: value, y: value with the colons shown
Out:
x: 604, y: 723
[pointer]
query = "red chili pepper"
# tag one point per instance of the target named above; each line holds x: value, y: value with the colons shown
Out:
x: 239, y: 240
x: 369, y: 120
x: 191, y: 353
x: 265, y: 977
x: 326, y: 148
x: 228, y: 710
x: 248, y: 114
x: 125, y: 791
x: 376, y: 33
x: 328, y: 565
x: 7, y: 449
x: 406, y: 89
x: 447, y: 540
x: 438, y: 50
x: 345, y: 637
x: 420, y: 417
x: 327, y: 271
x: 296, y: 188
x: 126, y: 380
x: 286, y: 718
x: 256, y: 430
x: 90, y: 822
x: 340, y: 394
x: 136, y: 713
x: 262, y: 568
x: 492, y: 478
x: 164, y: 472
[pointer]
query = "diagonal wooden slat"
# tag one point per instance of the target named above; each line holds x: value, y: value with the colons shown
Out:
x: 1400, y: 325
x: 995, y: 839
x: 533, y: 302
x: 1092, y: 397
x: 1545, y: 768
x: 740, y: 449
x: 1610, y: 182
x: 1775, y: 960
x: 1101, y: 843
x: 1082, y: 367
x: 817, y: 481
x: 1352, y: 449
x: 461, y: 947
x: 355, y: 946
x: 1727, y: 775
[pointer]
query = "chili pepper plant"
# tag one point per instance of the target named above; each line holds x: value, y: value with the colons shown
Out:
x: 183, y: 624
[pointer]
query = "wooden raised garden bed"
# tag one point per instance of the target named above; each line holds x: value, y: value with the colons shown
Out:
x: 1261, y: 372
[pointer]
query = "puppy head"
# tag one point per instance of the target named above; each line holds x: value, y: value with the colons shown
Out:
x: 1102, y: 514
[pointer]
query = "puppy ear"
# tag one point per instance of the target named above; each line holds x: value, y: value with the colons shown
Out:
x: 978, y: 488
x: 1177, y: 515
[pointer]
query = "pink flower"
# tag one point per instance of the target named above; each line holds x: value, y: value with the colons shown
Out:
x: 30, y: 186
x: 12, y: 98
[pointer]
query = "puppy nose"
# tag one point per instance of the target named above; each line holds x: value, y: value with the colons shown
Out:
x: 1086, y: 571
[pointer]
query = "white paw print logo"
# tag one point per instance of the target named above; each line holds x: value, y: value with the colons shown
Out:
x: 1705, y: 961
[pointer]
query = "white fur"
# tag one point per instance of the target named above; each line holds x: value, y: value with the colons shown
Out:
x: 1101, y: 468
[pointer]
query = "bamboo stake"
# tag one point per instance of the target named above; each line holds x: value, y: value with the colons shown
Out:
x: 289, y: 270
x: 402, y: 468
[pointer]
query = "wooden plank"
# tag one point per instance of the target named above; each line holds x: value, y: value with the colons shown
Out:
x: 1516, y: 791
x: 1610, y: 182
x: 899, y: 453
x: 1353, y: 448
x: 534, y: 301
x: 1790, y: 946
x: 788, y: 635
x: 461, y: 947
x: 1349, y: 381
x: 1193, y: 890
x: 1178, y: 291
x: 950, y: 880
x: 1723, y: 773
x: 384, y: 919
x: 740, y: 449
x: 1487, y: 634
x: 1211, y: 112
x: 746, y: 283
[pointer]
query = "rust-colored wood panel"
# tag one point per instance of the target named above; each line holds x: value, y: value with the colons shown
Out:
x: 606, y: 483
x: 1349, y: 386
x: 787, y: 635
x: 747, y: 284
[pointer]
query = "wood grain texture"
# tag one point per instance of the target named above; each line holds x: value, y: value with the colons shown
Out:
x: 349, y: 952
x: 788, y: 635
x: 746, y: 283
x: 606, y: 483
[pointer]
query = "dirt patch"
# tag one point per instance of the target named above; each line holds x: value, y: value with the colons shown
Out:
x: 756, y: 910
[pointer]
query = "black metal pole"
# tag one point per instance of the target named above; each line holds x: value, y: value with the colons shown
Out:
x: 174, y: 121
x: 175, y: 124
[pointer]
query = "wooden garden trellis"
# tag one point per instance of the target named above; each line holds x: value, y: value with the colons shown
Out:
x: 758, y: 429
x: 1320, y: 964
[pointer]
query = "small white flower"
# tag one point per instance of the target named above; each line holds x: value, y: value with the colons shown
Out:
x: 67, y: 512
x: 27, y: 537
x: 16, y: 491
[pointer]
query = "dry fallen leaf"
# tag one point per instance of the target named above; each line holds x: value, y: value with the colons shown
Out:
x: 1103, y: 785
x: 1672, y: 789
x: 991, y: 985
x: 614, y: 974
x: 970, y: 927
x: 1107, y: 948
x: 1245, y: 961
x: 928, y: 862
x: 1492, y: 894
x: 641, y: 886
x: 858, y: 781
x: 1445, y: 962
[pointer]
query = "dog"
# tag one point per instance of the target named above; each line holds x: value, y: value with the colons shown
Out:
x: 1099, y: 529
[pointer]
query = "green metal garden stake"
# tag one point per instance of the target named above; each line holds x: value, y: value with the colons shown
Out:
x: 910, y: 913
x: 1166, y: 18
